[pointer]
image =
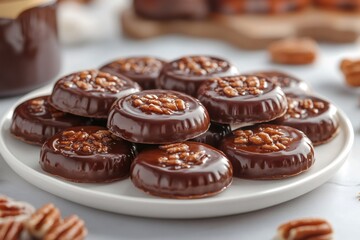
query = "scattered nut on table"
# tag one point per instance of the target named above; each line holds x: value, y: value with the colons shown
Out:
x: 305, y: 229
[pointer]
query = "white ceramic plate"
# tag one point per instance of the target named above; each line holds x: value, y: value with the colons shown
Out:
x: 122, y: 197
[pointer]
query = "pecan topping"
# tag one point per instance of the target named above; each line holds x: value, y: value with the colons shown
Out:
x: 10, y: 230
x: 71, y: 228
x: 301, y: 108
x: 94, y: 80
x: 85, y: 143
x: 37, y: 106
x: 43, y: 220
x: 180, y: 157
x: 303, y: 229
x: 159, y: 104
x: 13, y: 210
x: 240, y: 85
x: 200, y: 66
x: 267, y: 139
x: 139, y: 66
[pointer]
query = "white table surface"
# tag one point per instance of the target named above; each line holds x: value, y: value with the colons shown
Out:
x: 335, y: 200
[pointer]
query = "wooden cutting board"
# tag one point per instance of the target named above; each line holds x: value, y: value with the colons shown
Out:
x: 252, y: 31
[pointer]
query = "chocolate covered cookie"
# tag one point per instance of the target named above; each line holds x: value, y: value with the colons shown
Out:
x: 90, y: 93
x: 288, y: 83
x: 315, y: 117
x: 188, y: 73
x: 268, y: 152
x: 158, y: 117
x: 181, y: 170
x: 87, y: 154
x: 242, y: 99
x: 35, y: 120
x: 143, y: 70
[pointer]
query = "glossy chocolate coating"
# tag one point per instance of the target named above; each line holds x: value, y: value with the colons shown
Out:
x: 252, y: 161
x: 141, y: 126
x: 143, y: 70
x: 244, y: 108
x: 288, y: 83
x: 35, y: 120
x: 186, y: 74
x: 89, y: 99
x: 29, y: 50
x: 258, y: 6
x: 205, y: 171
x: 315, y: 117
x: 103, y: 158
x: 174, y: 9
x: 214, y: 135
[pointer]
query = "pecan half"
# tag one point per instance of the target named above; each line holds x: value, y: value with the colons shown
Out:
x: 305, y: 229
x: 351, y: 71
x: 11, y: 210
x: 71, y: 228
x: 43, y: 220
x: 10, y: 230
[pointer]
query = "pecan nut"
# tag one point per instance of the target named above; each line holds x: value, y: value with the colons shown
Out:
x: 351, y: 71
x: 11, y: 210
x: 43, y: 220
x: 305, y: 229
x: 10, y: 230
x: 71, y: 228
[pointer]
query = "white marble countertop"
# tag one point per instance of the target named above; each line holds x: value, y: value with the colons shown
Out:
x: 335, y: 200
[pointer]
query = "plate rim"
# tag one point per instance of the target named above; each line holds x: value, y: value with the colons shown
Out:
x: 20, y: 168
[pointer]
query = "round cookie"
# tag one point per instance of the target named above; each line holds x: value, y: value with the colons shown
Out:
x: 289, y: 84
x: 158, y: 117
x: 186, y: 74
x: 143, y: 70
x: 315, y: 117
x: 214, y: 135
x: 87, y: 154
x: 90, y: 93
x: 268, y: 152
x: 35, y: 120
x: 242, y: 99
x: 181, y: 170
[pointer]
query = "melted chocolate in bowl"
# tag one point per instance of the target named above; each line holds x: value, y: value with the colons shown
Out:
x: 29, y: 50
